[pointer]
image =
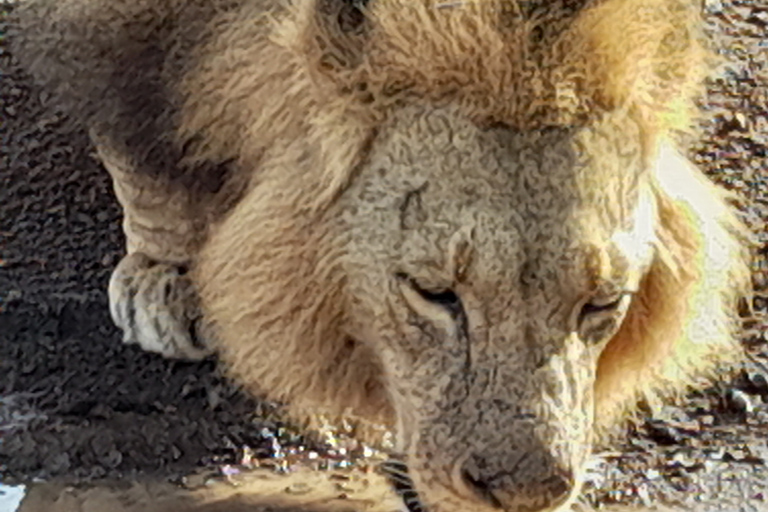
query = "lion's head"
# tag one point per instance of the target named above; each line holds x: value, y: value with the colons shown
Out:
x: 460, y: 227
x: 488, y: 268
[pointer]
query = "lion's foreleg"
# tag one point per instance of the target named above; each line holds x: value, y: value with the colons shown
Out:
x: 151, y: 298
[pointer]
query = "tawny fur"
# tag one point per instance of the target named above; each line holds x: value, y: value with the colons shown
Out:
x: 539, y: 135
x: 652, y: 67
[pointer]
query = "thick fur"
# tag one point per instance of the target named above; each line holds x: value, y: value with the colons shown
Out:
x: 463, y: 223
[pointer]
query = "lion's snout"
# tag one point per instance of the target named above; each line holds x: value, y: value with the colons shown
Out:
x: 502, y: 443
x: 534, y: 483
x: 506, y: 464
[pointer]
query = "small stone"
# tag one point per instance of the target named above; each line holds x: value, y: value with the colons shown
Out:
x: 662, y: 433
x: 298, y: 489
x: 717, y: 454
x: 759, y: 452
x: 741, y: 120
x: 112, y: 459
x: 739, y: 401
x: 713, y: 6
x: 735, y: 454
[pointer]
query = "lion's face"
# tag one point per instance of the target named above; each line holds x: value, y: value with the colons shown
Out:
x: 487, y: 271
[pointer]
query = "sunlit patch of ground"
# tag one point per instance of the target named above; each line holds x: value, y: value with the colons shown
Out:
x: 254, y: 491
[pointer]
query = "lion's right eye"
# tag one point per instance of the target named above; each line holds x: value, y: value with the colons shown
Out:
x: 599, y: 318
x: 608, y: 306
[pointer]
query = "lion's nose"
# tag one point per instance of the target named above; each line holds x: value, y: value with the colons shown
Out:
x: 518, y: 491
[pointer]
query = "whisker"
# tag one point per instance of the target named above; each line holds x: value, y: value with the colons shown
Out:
x: 396, y: 472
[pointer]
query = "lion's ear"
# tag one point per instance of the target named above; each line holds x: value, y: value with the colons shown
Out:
x: 337, y: 33
x: 649, y: 54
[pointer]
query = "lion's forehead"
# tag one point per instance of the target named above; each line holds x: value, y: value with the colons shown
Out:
x: 531, y: 199
x: 440, y: 168
x: 425, y: 142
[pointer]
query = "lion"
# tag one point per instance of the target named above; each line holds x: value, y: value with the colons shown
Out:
x: 462, y: 226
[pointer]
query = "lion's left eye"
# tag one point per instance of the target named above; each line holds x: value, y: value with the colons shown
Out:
x: 444, y: 297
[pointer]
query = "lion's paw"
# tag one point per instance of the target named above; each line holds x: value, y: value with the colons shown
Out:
x: 156, y: 306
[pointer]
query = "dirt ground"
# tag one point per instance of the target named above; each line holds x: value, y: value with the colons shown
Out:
x: 257, y: 491
x: 77, y: 406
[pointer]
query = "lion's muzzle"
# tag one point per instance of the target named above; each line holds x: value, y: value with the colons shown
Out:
x: 535, y: 483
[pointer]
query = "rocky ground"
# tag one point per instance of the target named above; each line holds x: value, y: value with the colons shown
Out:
x: 76, y: 403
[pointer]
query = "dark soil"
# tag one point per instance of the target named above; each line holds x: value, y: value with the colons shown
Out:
x: 76, y: 402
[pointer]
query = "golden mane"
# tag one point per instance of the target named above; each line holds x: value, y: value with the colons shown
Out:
x: 523, y: 64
